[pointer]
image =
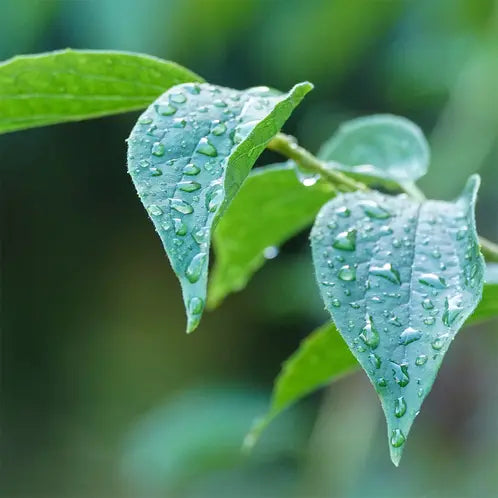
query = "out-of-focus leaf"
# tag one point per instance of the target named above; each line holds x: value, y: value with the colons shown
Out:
x: 381, y: 146
x: 321, y: 358
x: 271, y: 206
x: 71, y: 85
x: 399, y: 279
x: 188, y: 155
x: 488, y: 306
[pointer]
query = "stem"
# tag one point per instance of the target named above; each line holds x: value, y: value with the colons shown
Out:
x: 287, y: 146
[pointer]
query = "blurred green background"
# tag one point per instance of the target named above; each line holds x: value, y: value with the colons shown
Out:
x: 103, y: 395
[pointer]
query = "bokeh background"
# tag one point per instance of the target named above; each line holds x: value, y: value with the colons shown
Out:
x: 103, y: 394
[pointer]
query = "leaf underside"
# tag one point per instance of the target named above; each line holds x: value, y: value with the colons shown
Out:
x: 188, y: 155
x: 383, y: 146
x: 399, y: 279
x: 271, y: 206
x: 71, y: 85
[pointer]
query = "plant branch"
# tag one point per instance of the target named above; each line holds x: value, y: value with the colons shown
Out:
x: 288, y: 147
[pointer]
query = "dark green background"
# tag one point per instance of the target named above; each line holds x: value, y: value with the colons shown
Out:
x: 103, y: 395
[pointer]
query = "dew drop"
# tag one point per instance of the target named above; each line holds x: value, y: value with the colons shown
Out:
x: 143, y: 163
x: 157, y: 149
x: 195, y: 305
x: 373, y: 210
x: 207, y: 148
x: 144, y: 120
x: 347, y: 273
x: 191, y: 169
x: 165, y: 109
x: 430, y: 320
x: 179, y: 123
x: 399, y: 407
x: 181, y: 206
x: 270, y: 252
x: 400, y: 373
x: 420, y: 360
x: 336, y: 303
x: 219, y: 129
x: 438, y: 342
x: 215, y: 198
x: 381, y: 382
x: 189, y: 186
x: 154, y: 210
x: 178, y: 98
x: 427, y: 304
x: 374, y: 360
x: 180, y: 227
x: 397, y: 438
x: 155, y: 172
x: 201, y: 236
x: 432, y: 280
x: 386, y: 271
x: 369, y: 334
x: 409, y: 335
x: 452, y: 310
x: 345, y: 241
x: 195, y: 266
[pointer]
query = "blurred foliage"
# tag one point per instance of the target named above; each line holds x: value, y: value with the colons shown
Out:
x: 93, y: 344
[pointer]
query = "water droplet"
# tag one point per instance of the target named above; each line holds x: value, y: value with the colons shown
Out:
x: 430, y: 320
x: 421, y: 360
x: 409, y: 335
x: 452, y: 310
x: 270, y: 252
x: 436, y: 254
x: 195, y: 266
x: 461, y: 233
x: 219, y: 129
x: 165, y: 109
x: 155, y: 210
x: 191, y: 169
x: 189, y: 186
x: 181, y: 206
x: 195, y: 305
x: 373, y: 210
x: 343, y: 211
x: 178, y: 98
x: 155, y: 172
x: 369, y: 334
x: 399, y: 407
x: 397, y: 438
x: 347, y: 273
x: 336, y: 303
x: 400, y: 373
x: 201, y: 236
x: 143, y: 163
x: 374, y: 360
x: 432, y: 280
x: 345, y: 241
x: 157, y: 149
x: 207, y: 148
x: 354, y: 305
x: 215, y: 198
x: 396, y: 243
x: 438, y: 342
x: 386, y: 271
x: 180, y: 227
x: 193, y: 89
x: 179, y: 123
x: 144, y: 120
x: 427, y: 304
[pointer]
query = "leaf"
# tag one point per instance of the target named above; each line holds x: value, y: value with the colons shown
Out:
x: 188, y: 155
x: 284, y: 206
x: 382, y: 146
x: 399, y: 279
x: 320, y: 359
x: 70, y: 85
x: 488, y: 306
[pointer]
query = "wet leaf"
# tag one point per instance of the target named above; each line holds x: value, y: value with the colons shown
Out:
x: 71, y: 85
x: 399, y: 279
x: 188, y: 155
x: 271, y: 206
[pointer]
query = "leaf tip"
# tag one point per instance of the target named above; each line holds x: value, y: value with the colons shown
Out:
x: 252, y: 437
x: 396, y: 454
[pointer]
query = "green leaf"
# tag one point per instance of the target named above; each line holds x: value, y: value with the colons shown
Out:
x: 488, y: 306
x: 320, y: 359
x: 284, y: 206
x: 71, y: 85
x: 188, y: 155
x: 399, y: 279
x: 381, y: 146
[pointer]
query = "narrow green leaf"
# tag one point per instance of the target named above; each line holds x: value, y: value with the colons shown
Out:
x: 399, y: 279
x: 188, y: 155
x: 71, y: 85
x: 271, y: 206
x: 488, y: 306
x: 381, y: 146
x: 321, y: 358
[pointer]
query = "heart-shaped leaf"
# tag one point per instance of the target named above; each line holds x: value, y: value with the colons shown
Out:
x: 188, y: 155
x: 381, y: 146
x: 243, y: 241
x: 399, y: 279
x: 70, y: 85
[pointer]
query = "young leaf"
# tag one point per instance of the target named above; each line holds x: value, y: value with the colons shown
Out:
x: 271, y: 206
x: 188, y: 155
x: 320, y: 359
x: 70, y: 85
x: 381, y: 146
x: 399, y: 279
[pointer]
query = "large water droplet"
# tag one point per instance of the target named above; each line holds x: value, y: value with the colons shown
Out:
x: 343, y: 211
x: 452, y: 309
x: 155, y: 172
x: 189, y: 186
x: 409, y: 335
x: 399, y: 407
x: 345, y: 241
x: 373, y: 210
x: 397, y: 438
x: 215, y: 198
x: 420, y: 360
x: 180, y: 227
x: 438, y: 342
x: 386, y: 271
x: 207, y: 148
x: 219, y: 129
x: 336, y: 303
x: 195, y: 305
x: 347, y: 273
x: 375, y: 360
x: 178, y: 98
x: 191, y: 169
x: 432, y: 280
x: 155, y: 210
x: 369, y: 334
x: 165, y: 109
x: 270, y: 252
x: 427, y: 304
x: 181, y: 206
x: 157, y: 149
x: 400, y: 373
x: 195, y: 266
